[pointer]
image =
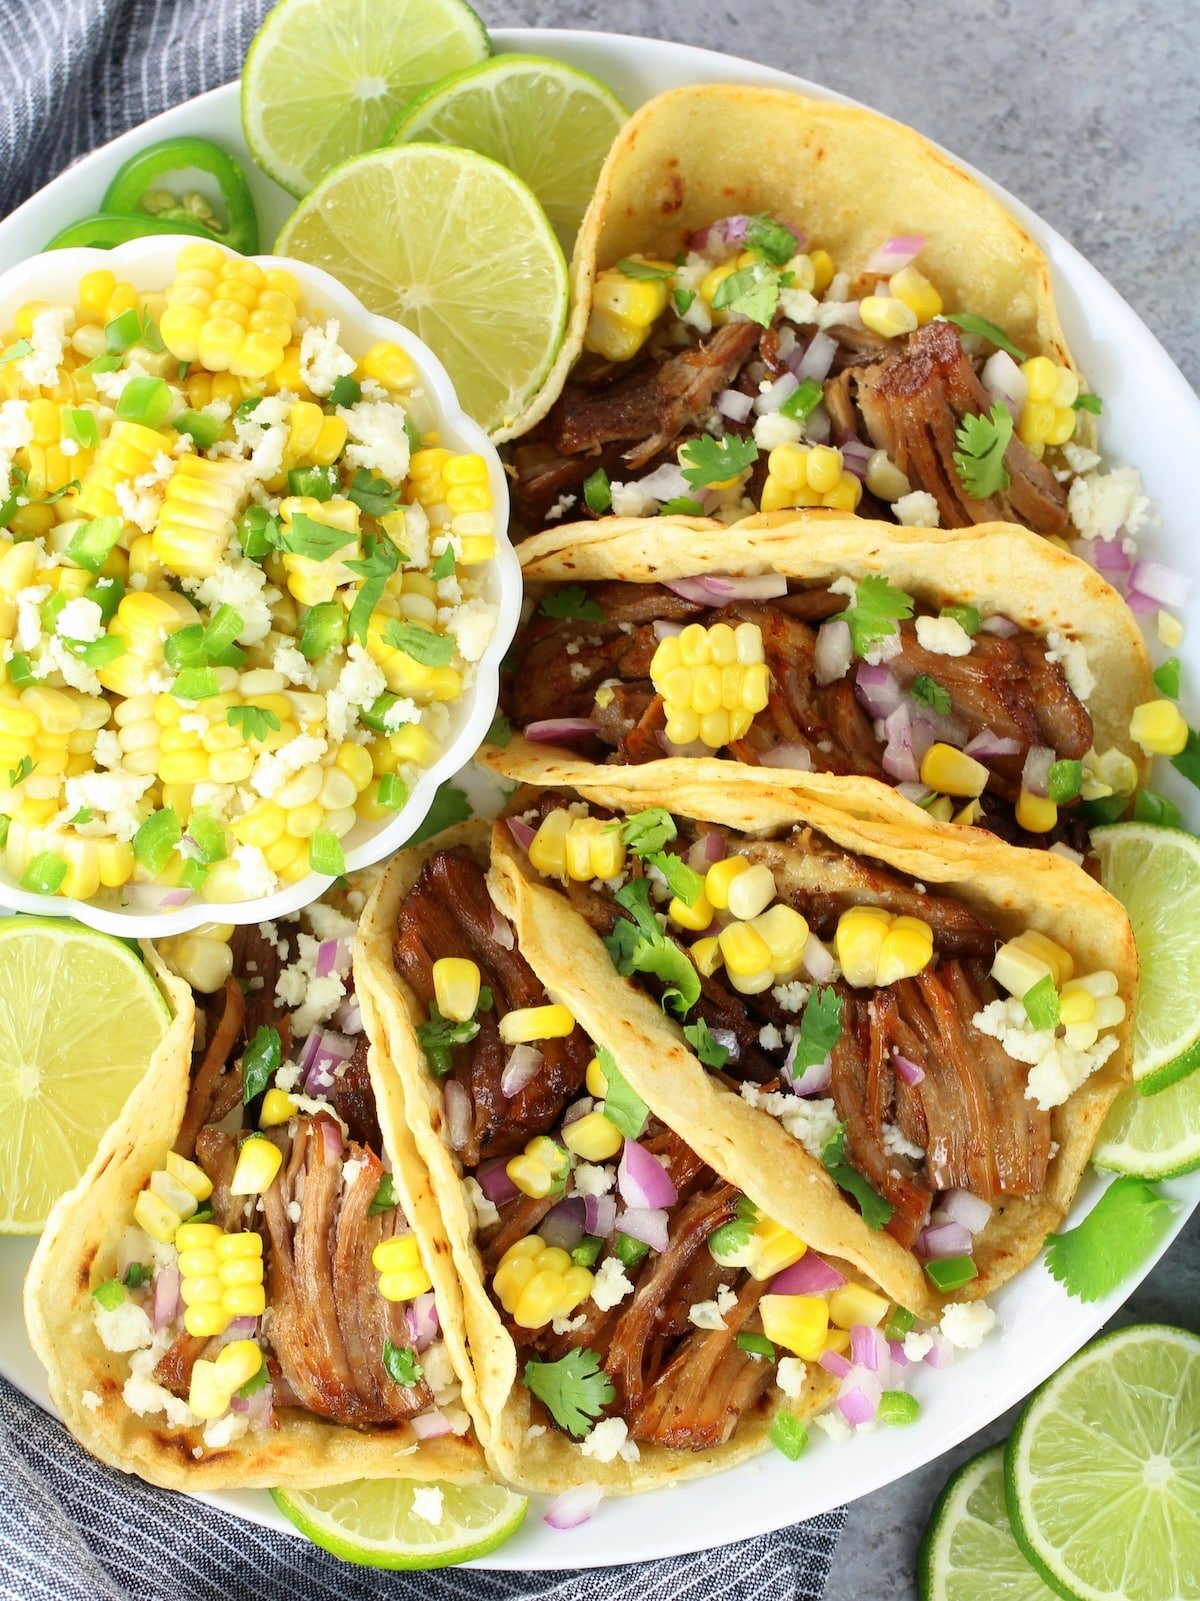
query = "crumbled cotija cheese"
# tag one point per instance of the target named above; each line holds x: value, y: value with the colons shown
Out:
x: 943, y: 636
x: 812, y: 1122
x: 610, y: 1285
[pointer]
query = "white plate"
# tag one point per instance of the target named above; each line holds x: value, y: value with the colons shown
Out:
x: 1151, y: 419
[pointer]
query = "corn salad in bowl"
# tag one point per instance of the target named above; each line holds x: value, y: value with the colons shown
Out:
x: 255, y: 584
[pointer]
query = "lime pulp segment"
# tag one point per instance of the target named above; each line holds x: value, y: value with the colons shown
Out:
x: 968, y: 1552
x: 402, y: 1524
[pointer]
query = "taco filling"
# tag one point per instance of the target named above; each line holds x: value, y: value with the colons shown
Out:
x: 752, y: 372
x: 267, y: 1267
x: 972, y: 717
x: 910, y: 1048
x: 642, y: 1292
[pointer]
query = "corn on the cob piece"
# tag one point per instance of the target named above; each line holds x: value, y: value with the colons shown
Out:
x: 227, y: 313
x: 195, y: 523
x: 712, y: 681
x: 809, y: 475
x: 536, y: 1283
x: 624, y: 310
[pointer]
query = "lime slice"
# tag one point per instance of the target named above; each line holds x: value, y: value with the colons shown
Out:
x: 1155, y: 874
x: 324, y: 79
x: 1102, y: 1473
x: 80, y: 1018
x: 456, y: 248
x: 550, y: 124
x: 376, y: 1522
x: 968, y: 1552
x: 1153, y: 1136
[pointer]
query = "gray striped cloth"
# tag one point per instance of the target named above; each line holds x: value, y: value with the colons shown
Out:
x: 77, y: 73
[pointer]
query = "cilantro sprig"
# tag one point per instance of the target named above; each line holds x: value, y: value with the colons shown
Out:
x: 926, y: 691
x: 647, y: 831
x: 400, y: 1363
x: 876, y: 1212
x: 820, y: 1030
x: 642, y: 947
x: 979, y: 458
x: 574, y: 1390
x: 421, y: 643
x: 260, y: 1061
x: 753, y: 291
x: 623, y: 1106
x: 875, y: 611
x: 1119, y: 1232
x: 710, y: 1053
x: 255, y: 722
x: 380, y: 560
x: 374, y: 496
x: 971, y: 323
x: 572, y: 602
x: 707, y: 461
x: 645, y: 271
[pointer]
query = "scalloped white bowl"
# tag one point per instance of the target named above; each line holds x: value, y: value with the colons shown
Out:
x: 149, y: 264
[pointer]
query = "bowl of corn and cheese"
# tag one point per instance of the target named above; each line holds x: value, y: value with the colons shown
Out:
x: 255, y: 585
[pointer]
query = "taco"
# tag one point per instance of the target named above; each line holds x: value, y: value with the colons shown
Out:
x: 855, y: 1018
x: 761, y: 274
x: 617, y: 1291
x: 209, y: 1301
x: 988, y: 673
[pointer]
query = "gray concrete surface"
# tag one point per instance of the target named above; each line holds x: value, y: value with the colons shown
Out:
x: 1090, y: 112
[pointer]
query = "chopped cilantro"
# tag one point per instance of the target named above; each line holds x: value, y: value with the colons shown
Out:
x: 439, y: 1035
x: 684, y: 883
x: 450, y: 806
x: 771, y: 239
x: 681, y: 299
x: 256, y: 1382
x: 1117, y: 1234
x: 1167, y: 677
x: 756, y: 1344
x: 788, y: 1434
x: 623, y: 1106
x: 876, y: 610
x: 699, y: 1037
x: 307, y: 537
x: 136, y: 1274
x: 400, y: 1363
x: 443, y: 564
x: 486, y: 999
x: 597, y: 494
x: 647, y: 831
x: 255, y: 722
x: 16, y: 352
x: 926, y: 691
x: 372, y: 495
x: 803, y: 400
x: 260, y: 1060
x: 979, y: 458
x: 380, y: 560
x: 753, y: 291
x: 1188, y: 760
x: 972, y: 324
x: 820, y: 1030
x: 421, y: 643
x: 1150, y: 807
x: 732, y: 1237
x: 19, y: 773
x: 1091, y: 403
x: 83, y: 815
x: 501, y: 730
x: 574, y: 1390
x: 707, y: 462
x: 572, y: 602
x: 644, y: 270
x: 876, y: 1212
x: 646, y: 949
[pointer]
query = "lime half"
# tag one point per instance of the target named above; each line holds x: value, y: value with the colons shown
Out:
x: 456, y: 248
x: 1102, y: 1473
x: 391, y: 1523
x: 968, y: 1552
x: 548, y: 123
x: 324, y: 79
x: 80, y: 1018
x: 1154, y: 1136
x: 1155, y: 874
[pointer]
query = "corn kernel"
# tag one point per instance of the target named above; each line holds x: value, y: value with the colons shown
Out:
x: 547, y: 848
x: 751, y: 892
x: 233, y: 1247
x: 597, y: 1082
x: 277, y: 1107
x: 1170, y: 630
x: 1159, y: 728
x: 851, y: 1304
x: 719, y: 880
x: 154, y: 1216
x: 456, y: 983
x: 259, y: 1160
x: 859, y: 940
x: 917, y: 293
x: 745, y: 952
x: 623, y: 311
x: 1037, y: 813
x: 696, y: 917
x: 528, y: 1023
x: 237, y: 1363
x: 192, y: 1177
x: 887, y: 315
x: 797, y: 1322
x: 592, y: 1137
x: 197, y: 1236
x: 706, y: 956
x: 907, y: 948
x: 785, y: 934
x: 536, y: 1283
x: 953, y: 772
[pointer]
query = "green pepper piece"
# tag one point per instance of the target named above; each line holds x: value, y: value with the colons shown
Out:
x: 139, y: 187
x: 104, y: 230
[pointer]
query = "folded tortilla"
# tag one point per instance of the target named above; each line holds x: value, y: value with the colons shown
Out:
x: 78, y: 1252
x: 519, y: 1449
x: 1013, y: 889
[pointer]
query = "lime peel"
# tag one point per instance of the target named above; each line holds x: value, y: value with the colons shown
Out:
x: 968, y: 1551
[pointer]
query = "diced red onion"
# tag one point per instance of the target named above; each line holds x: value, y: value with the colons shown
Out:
x: 323, y: 1052
x: 431, y: 1425
x: 856, y: 457
x: 770, y: 400
x: 896, y: 1352
x: 858, y: 1400
x: 815, y: 1078
x: 944, y: 1239
x: 600, y: 1214
x: 714, y: 846
x: 895, y: 254
x: 167, y: 1305
x: 869, y: 1349
x: 818, y: 428
x: 727, y: 1038
x: 878, y: 689
x: 1139, y: 603
x: 818, y: 960
x: 458, y: 1113
x: 331, y: 1133
x: 733, y: 404
x: 900, y: 759
x: 495, y: 1183
x: 257, y: 1409
x: 577, y: 1109
x: 798, y: 758
x: 1110, y: 556
x: 1035, y: 775
x: 917, y: 793
x: 563, y: 1224
x: 500, y: 928
x: 908, y: 1071
x: 154, y: 897
x: 666, y: 482
x: 695, y: 747
x: 960, y: 1206
x: 642, y: 1179
x: 811, y: 1275
x: 1005, y: 381
x: 816, y: 360
x: 333, y: 956
x: 421, y: 1315
x: 833, y: 652
x: 521, y: 832
x: 348, y: 1016
x: 648, y: 1224
x: 940, y: 1353
x: 665, y: 630
x: 1002, y: 627
x: 573, y: 1507
x: 522, y: 1065
x: 550, y: 730
x: 718, y: 589
x: 834, y: 1362
x: 242, y: 1328
x: 988, y: 745
x: 1161, y: 584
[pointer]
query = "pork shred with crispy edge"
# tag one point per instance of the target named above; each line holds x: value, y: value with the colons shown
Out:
x: 325, y: 1336
x: 907, y: 396
x: 969, y: 1113
x: 676, y: 1385
x: 1005, y: 685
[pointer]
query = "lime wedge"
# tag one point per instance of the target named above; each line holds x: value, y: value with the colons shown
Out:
x: 1155, y: 874
x: 80, y: 1018
x: 1102, y: 1473
x: 548, y: 123
x: 324, y: 79
x: 968, y: 1552
x: 389, y: 1523
x: 1153, y: 1136
x: 456, y: 248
